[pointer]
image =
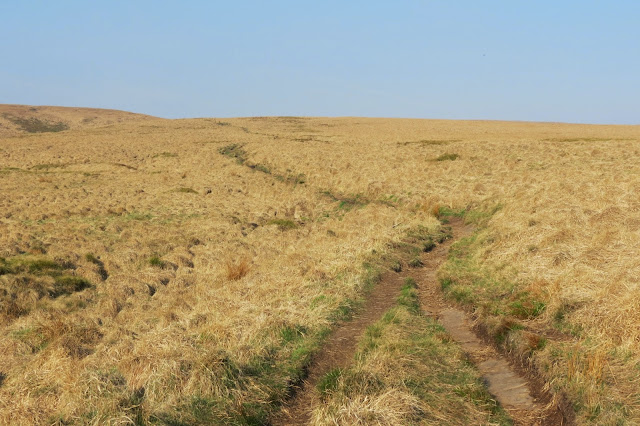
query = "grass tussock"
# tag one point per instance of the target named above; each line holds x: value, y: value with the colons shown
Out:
x: 236, y: 270
x: 447, y: 157
x: 234, y: 151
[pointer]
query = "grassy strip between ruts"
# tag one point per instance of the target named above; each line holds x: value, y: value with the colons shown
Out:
x: 407, y: 371
x: 526, y: 320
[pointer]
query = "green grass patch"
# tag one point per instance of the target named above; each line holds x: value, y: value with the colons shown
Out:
x: 447, y: 157
x: 329, y: 382
x: 36, y: 125
x: 139, y: 216
x: 292, y: 333
x: 261, y: 168
x: 409, y: 296
x: 29, y: 265
x: 7, y: 170
x: 526, y: 307
x: 347, y: 202
x: 186, y: 190
x: 156, y: 262
x: 235, y: 151
x: 67, y: 284
x: 28, y: 279
x: 47, y: 166
x: 283, y: 224
x: 90, y: 257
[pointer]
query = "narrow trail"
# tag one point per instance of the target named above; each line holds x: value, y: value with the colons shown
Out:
x: 339, y: 350
x: 521, y: 396
x: 526, y: 403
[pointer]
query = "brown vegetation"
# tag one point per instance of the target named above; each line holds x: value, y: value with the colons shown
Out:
x: 553, y: 266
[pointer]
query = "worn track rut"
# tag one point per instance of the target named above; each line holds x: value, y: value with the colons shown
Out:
x: 519, y: 395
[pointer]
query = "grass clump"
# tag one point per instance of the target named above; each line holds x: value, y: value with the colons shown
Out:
x: 447, y: 157
x: 283, y: 224
x: 261, y: 168
x: 291, y: 178
x: 238, y: 269
x: 67, y: 284
x: 234, y: 151
x: 428, y: 245
x: 416, y: 263
x: 157, y: 262
x: 329, y: 383
x: 90, y: 257
x: 30, y: 265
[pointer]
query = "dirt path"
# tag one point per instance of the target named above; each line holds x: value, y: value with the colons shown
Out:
x: 526, y: 403
x: 339, y: 350
x: 521, y: 396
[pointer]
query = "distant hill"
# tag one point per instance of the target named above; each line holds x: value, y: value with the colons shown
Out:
x: 20, y: 119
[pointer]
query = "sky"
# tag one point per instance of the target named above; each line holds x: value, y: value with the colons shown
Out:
x: 567, y: 61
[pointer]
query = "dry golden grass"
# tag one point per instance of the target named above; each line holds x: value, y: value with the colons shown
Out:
x: 308, y: 202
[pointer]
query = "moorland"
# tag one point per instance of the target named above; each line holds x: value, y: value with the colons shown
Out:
x: 185, y: 271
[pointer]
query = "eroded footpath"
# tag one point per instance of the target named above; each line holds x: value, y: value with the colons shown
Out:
x: 519, y: 395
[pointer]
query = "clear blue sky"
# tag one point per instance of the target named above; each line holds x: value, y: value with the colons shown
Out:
x: 574, y: 61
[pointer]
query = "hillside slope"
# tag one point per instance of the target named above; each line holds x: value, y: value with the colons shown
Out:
x: 183, y: 271
x: 21, y: 119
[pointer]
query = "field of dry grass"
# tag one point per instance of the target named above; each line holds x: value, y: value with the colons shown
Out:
x: 178, y: 271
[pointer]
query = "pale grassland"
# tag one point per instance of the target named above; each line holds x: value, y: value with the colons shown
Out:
x: 179, y: 340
